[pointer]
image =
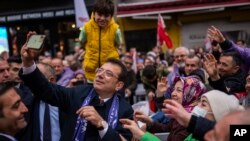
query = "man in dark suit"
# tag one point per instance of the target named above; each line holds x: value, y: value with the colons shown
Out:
x: 12, y: 111
x: 88, y: 118
x: 35, y: 128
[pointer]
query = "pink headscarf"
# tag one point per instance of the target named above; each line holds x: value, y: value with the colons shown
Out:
x: 193, y: 88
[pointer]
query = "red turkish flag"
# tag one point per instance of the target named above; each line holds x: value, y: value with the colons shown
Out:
x: 162, y: 35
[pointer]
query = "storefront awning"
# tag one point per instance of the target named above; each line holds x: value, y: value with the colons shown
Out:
x: 137, y: 9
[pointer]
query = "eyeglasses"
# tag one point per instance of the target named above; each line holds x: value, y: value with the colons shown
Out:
x: 181, y: 56
x: 107, y: 73
x: 128, y: 63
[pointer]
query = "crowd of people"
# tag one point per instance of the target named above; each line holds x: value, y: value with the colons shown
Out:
x: 88, y: 96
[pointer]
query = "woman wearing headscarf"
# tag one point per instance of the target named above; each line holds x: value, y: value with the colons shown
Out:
x: 186, y: 91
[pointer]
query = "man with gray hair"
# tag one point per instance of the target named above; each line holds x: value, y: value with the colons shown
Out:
x: 180, y: 55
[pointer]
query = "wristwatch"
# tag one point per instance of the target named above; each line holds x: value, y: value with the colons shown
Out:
x: 101, y: 125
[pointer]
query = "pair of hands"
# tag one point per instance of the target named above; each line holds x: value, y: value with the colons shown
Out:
x: 172, y: 109
x: 133, y: 126
x: 210, y: 63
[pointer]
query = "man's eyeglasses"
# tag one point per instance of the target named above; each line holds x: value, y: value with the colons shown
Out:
x: 181, y: 56
x: 128, y: 63
x: 107, y: 73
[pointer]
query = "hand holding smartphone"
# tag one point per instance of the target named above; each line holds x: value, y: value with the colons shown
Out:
x: 36, y: 41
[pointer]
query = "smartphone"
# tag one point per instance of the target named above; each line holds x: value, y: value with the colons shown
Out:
x: 36, y: 41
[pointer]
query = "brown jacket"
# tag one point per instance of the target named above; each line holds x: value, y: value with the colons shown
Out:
x: 176, y: 131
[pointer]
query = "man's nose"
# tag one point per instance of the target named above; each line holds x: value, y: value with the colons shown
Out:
x: 24, y: 109
x: 6, y: 73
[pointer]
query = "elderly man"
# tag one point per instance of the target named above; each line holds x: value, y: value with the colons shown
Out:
x: 63, y: 75
x: 12, y: 112
x: 93, y: 111
x: 180, y: 55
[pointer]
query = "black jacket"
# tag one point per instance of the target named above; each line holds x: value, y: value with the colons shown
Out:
x: 199, y: 126
x: 230, y: 84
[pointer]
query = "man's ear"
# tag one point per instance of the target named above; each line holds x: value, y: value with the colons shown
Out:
x: 236, y: 69
x: 119, y: 85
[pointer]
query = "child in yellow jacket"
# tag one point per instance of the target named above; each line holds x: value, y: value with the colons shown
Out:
x: 101, y: 37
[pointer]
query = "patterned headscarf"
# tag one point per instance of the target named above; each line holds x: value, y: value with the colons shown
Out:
x: 193, y: 88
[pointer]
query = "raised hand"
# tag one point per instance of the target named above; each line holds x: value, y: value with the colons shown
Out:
x: 27, y: 54
x: 175, y: 110
x: 162, y: 87
x: 210, y: 65
x: 215, y: 34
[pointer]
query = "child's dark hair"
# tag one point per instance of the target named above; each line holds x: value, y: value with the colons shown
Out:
x: 104, y: 7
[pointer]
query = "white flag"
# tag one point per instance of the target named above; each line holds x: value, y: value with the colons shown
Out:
x: 81, y: 13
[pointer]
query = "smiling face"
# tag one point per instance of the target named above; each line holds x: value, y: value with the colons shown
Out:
x: 12, y: 112
x: 106, y: 80
x: 57, y: 65
x: 180, y: 56
x: 177, y: 93
x: 191, y: 64
x: 226, y: 66
x: 101, y: 19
